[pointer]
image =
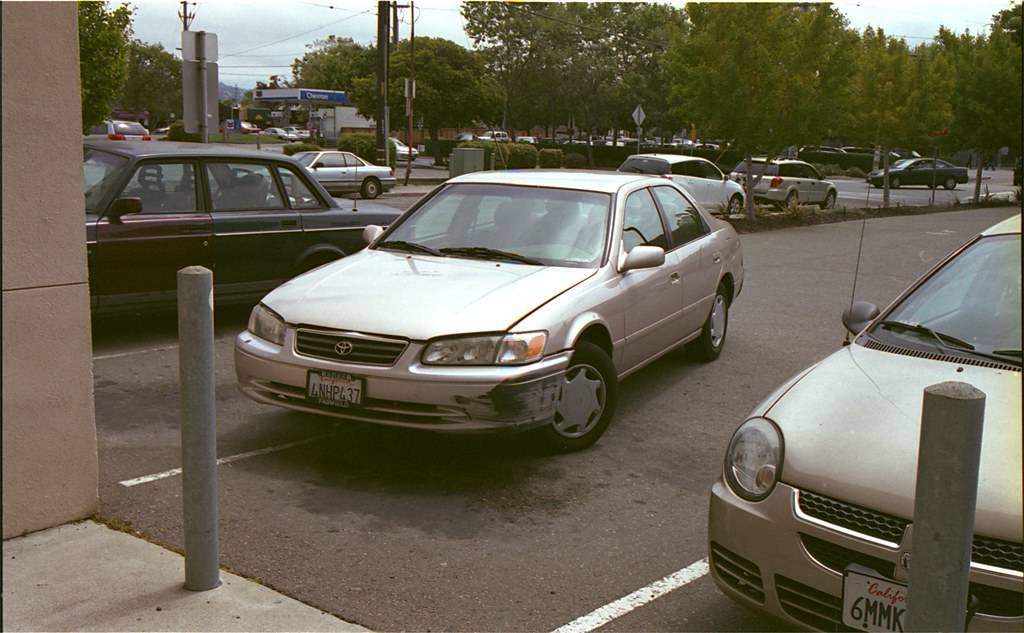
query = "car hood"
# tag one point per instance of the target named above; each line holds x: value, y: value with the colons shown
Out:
x: 419, y: 297
x: 851, y: 427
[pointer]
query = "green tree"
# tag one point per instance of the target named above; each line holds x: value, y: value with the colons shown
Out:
x: 153, y: 83
x: 452, y: 86
x: 763, y: 88
x: 103, y: 37
x: 986, y: 102
x: 333, y: 64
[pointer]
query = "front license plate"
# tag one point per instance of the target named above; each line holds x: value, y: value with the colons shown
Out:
x: 873, y: 603
x: 333, y: 388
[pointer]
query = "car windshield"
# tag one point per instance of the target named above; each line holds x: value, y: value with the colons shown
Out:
x: 555, y: 227
x: 974, y: 298
x: 902, y: 163
x: 101, y: 171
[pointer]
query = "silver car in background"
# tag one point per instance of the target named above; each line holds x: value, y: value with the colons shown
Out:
x: 788, y: 183
x: 344, y: 172
x: 503, y: 301
x: 714, y: 191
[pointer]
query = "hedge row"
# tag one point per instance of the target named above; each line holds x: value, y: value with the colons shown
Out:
x: 295, y: 148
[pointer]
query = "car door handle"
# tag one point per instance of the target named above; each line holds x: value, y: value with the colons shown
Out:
x: 716, y: 257
x: 674, y: 278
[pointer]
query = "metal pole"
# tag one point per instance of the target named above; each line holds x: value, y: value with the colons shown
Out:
x: 198, y: 427
x: 383, y: 14
x: 949, y: 454
x: 412, y: 85
x: 204, y: 131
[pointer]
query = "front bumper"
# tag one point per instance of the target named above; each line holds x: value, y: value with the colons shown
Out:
x: 772, y: 558
x: 408, y: 393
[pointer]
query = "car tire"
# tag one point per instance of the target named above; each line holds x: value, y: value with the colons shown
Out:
x: 792, y: 200
x: 708, y: 346
x: 735, y: 204
x: 950, y: 183
x: 586, y: 403
x: 894, y: 182
x: 370, y: 188
x: 830, y: 200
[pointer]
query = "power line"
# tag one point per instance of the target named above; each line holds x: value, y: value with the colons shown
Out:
x: 291, y: 37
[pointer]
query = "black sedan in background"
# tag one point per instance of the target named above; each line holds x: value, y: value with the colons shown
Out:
x: 254, y: 218
x: 927, y: 172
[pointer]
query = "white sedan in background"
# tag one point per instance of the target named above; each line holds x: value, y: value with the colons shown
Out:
x: 715, y: 192
x: 280, y: 133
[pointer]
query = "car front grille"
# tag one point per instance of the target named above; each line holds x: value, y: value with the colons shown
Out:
x: 738, y: 572
x: 852, y: 517
x: 814, y: 608
x: 991, y: 600
x: 985, y: 551
x: 348, y: 347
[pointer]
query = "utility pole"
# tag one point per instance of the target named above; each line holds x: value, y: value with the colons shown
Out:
x: 394, y: 25
x: 383, y: 13
x: 186, y: 17
x: 410, y: 90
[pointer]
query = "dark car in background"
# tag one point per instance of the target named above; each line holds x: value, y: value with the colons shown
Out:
x: 254, y: 218
x: 927, y: 172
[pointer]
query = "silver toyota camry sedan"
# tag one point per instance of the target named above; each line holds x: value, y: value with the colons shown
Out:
x: 507, y: 300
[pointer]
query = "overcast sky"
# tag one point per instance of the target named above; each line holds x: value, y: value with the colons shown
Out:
x: 261, y: 37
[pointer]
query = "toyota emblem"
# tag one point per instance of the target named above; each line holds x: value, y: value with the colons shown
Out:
x: 343, y: 348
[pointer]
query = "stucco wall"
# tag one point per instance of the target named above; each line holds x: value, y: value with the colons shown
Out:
x: 50, y: 464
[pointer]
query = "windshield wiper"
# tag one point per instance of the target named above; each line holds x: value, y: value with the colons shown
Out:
x: 410, y: 247
x: 1007, y: 352
x: 483, y: 252
x: 945, y: 340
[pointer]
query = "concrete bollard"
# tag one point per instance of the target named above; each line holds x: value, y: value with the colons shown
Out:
x: 949, y: 454
x: 198, y: 428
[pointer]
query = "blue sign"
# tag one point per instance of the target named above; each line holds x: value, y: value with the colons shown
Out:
x: 325, y: 96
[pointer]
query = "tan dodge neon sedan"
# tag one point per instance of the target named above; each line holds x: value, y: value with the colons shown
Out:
x: 503, y: 300
x: 811, y: 520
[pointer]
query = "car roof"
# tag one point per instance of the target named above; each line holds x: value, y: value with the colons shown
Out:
x: 671, y: 158
x: 779, y: 161
x: 1008, y: 226
x: 601, y: 181
x: 149, y: 149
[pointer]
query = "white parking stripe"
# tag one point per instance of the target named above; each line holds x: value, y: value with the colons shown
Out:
x: 133, y: 352
x: 599, y: 617
x: 145, y: 479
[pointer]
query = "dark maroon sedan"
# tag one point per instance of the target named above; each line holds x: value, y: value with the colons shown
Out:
x: 255, y: 218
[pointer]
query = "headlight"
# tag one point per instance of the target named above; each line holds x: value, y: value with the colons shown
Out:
x: 264, y: 323
x: 753, y: 461
x: 512, y: 349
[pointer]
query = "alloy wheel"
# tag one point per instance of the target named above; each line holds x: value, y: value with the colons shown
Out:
x: 582, y: 401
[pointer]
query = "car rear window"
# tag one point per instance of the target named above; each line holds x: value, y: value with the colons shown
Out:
x: 129, y: 127
x: 657, y: 166
x: 771, y: 169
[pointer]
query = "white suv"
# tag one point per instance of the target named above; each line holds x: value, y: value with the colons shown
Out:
x: 713, y: 191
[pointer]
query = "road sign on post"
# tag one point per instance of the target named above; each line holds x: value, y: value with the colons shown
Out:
x: 638, y: 118
x: 199, y: 81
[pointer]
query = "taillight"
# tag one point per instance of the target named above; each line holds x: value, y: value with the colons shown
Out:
x: 147, y: 138
x: 116, y: 137
x: 776, y: 181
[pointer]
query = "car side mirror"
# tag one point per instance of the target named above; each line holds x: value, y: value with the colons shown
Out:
x: 857, y: 316
x: 318, y: 165
x: 124, y: 206
x: 644, y: 257
x: 371, y: 232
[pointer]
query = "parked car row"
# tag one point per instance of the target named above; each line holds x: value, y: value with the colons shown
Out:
x: 519, y: 300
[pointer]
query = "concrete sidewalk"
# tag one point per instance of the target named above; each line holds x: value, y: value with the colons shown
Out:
x: 87, y: 577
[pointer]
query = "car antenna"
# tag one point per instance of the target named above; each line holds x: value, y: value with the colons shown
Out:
x: 856, y: 272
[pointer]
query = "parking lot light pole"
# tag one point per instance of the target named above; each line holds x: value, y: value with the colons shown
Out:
x: 949, y: 455
x: 198, y: 428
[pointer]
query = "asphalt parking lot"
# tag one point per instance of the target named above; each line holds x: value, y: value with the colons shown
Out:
x: 396, y: 530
